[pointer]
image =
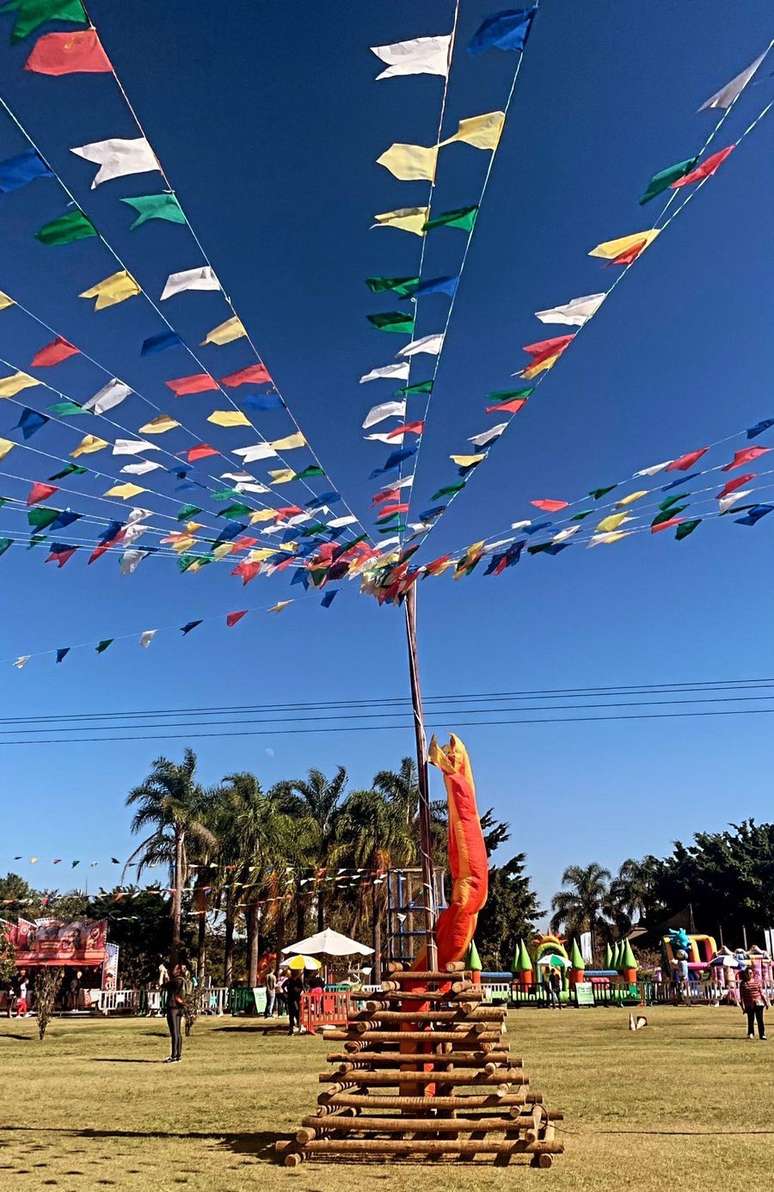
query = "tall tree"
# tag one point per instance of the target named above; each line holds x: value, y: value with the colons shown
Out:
x: 631, y: 892
x: 580, y: 907
x: 315, y: 802
x: 172, y: 804
x: 510, y: 913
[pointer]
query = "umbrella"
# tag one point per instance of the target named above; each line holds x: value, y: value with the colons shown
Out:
x: 329, y: 943
x: 303, y: 962
x: 554, y: 961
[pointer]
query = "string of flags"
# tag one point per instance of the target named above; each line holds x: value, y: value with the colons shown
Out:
x: 544, y: 354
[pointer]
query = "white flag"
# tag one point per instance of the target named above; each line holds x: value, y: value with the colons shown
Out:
x: 726, y: 95
x: 22, y: 661
x: 388, y: 409
x: 147, y: 465
x: 132, y: 533
x: 574, y: 313
x: 246, y: 486
x: 257, y: 451
x: 133, y: 447
x: 431, y: 344
x: 391, y: 440
x: 137, y: 514
x: 568, y: 533
x: 421, y: 55
x: 237, y: 476
x: 107, y: 397
x: 338, y: 522
x: 654, y: 469
x: 130, y: 561
x: 521, y: 525
x: 118, y: 157
x: 725, y: 503
x: 202, y: 278
x: 400, y: 371
x: 147, y: 637
x: 487, y: 436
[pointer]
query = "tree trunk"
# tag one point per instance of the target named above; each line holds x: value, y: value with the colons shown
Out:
x: 376, y: 942
x: 253, y: 931
x: 228, y: 946
x: 320, y: 909
x: 177, y: 895
x: 300, y: 912
x: 201, y: 950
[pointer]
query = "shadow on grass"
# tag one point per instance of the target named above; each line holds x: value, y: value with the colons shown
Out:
x: 106, y: 1059
x: 17, y: 1038
x: 259, y: 1143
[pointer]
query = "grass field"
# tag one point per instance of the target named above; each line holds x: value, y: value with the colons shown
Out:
x: 684, y: 1104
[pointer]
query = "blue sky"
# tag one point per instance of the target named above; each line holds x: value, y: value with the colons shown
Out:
x: 268, y: 121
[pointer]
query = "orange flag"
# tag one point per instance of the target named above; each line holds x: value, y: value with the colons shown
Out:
x: 69, y: 53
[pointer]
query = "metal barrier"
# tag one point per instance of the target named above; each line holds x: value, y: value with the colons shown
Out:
x: 214, y: 1000
x: 118, y: 1001
x: 323, y: 1009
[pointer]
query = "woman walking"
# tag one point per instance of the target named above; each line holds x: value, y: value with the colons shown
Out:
x: 754, y: 1001
x: 175, y: 987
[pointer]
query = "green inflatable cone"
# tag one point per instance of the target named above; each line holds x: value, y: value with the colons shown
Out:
x: 628, y: 960
x: 608, y: 956
x: 523, y: 964
x: 576, y: 960
x: 473, y: 960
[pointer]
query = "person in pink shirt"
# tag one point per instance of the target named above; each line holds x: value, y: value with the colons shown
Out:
x: 754, y: 1001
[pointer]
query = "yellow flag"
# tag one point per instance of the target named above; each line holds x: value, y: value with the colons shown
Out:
x: 220, y: 552
x: 608, y: 524
x: 184, y: 543
x: 262, y: 515
x: 259, y: 555
x: 467, y: 461
x: 116, y: 288
x: 5, y: 446
x: 482, y: 132
x: 158, y: 426
x: 609, y: 539
x: 611, y: 249
x: 289, y: 442
x: 229, y: 418
x: 5, y: 301
x: 125, y: 491
x: 88, y: 445
x: 225, y: 333
x: 632, y: 497
x: 10, y: 386
x: 542, y: 366
x: 282, y: 475
x: 192, y: 527
x: 278, y: 607
x: 406, y: 219
x: 410, y: 163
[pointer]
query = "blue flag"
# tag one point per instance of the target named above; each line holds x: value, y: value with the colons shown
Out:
x: 30, y: 422
x: 62, y: 653
x: 159, y: 343
x: 66, y: 518
x: 263, y: 401
x: 437, y: 285
x: 506, y: 30
x: 759, y: 428
x: 328, y: 498
x: 329, y: 598
x: 16, y: 172
x: 755, y: 514
x: 184, y: 629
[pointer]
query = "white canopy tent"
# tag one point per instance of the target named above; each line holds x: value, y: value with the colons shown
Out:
x: 328, y: 943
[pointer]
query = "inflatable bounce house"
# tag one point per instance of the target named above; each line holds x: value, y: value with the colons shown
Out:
x: 615, y: 983
x: 718, y: 968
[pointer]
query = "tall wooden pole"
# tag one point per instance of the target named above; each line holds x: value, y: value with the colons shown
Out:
x: 425, y: 837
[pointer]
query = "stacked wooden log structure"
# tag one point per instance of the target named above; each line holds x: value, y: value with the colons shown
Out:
x: 425, y: 1072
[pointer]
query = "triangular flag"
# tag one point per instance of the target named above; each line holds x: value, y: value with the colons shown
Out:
x: 125, y: 491
x: 233, y: 618
x: 410, y: 163
x: 229, y: 418
x: 160, y: 343
x: 6, y: 445
x: 197, y: 383
x: 625, y: 249
x: 226, y: 332
x: 147, y: 636
x: 88, y: 445
x: 159, y: 425
x: 705, y: 170
x: 104, y: 644
x: 69, y: 53
x: 31, y: 14
x: 61, y: 654
x: 114, y: 289
x: 254, y: 374
x: 726, y: 95
x: 68, y: 228
x: 164, y: 206
x: 10, y: 386
x: 388, y: 372
x: 30, y: 422
x: 429, y: 344
x: 108, y: 397
x: 186, y: 629
x: 118, y: 157
x: 406, y: 219
x: 54, y: 353
x: 665, y: 178
x: 420, y: 55
x: 278, y: 607
x: 574, y: 313
x: 22, y: 169
x: 132, y: 446
x: 507, y: 30
x: 201, y: 452
x: 202, y: 278
x: 482, y: 132
x: 461, y: 217
x: 22, y: 661
x: 40, y: 492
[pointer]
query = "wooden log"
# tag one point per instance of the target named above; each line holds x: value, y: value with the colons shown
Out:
x: 428, y: 975
x: 468, y: 994
x: 376, y: 1101
x: 489, y: 1060
x: 542, y: 1160
x: 394, y: 967
x: 293, y: 1159
x: 461, y: 1014
x: 504, y: 1076
x: 466, y: 1037
x: 399, y: 1125
x: 429, y: 1146
x: 455, y: 966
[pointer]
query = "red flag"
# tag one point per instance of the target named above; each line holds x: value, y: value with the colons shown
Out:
x: 256, y: 374
x: 385, y: 494
x: 549, y: 506
x: 61, y: 557
x: 630, y: 254
x: 244, y: 543
x: 99, y: 550
x: 54, y: 353
x: 198, y: 383
x: 706, y: 169
x: 547, y: 347
x: 288, y: 510
x: 436, y: 564
x: 41, y: 492
x: 247, y: 571
x: 732, y: 485
x: 389, y: 510
x: 684, y: 462
x: 200, y: 452
x: 408, y: 428
x: 69, y: 53
x: 508, y: 407
x: 233, y: 618
x: 745, y: 456
x: 665, y: 525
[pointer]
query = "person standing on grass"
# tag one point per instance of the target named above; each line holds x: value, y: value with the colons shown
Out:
x: 293, y: 991
x: 555, y: 985
x: 175, y: 990
x: 754, y: 1001
x: 271, y: 993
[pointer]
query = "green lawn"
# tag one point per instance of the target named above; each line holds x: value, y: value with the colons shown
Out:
x: 684, y: 1104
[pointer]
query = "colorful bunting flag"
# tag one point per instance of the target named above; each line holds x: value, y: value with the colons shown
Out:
x: 388, y: 372
x: 202, y: 278
x: 40, y: 492
x: 548, y: 505
x: 10, y: 386
x: 30, y: 422
x: 160, y: 343
x: 420, y: 55
x: 186, y: 629
x: 687, y: 527
x: 405, y: 219
x: 229, y: 418
x: 117, y: 158
x: 6, y: 445
x: 726, y: 95
x: 234, y: 618
x: 665, y: 178
x: 197, y: 383
x: 404, y: 287
x: 88, y: 445
x: 5, y: 301
x: 31, y: 14
x: 625, y: 249
x: 54, y: 353
x: 254, y: 374
x: 225, y: 333
x: 705, y: 170
x: 429, y: 344
x: 461, y: 217
x: 745, y: 456
x: 162, y: 206
x: 574, y: 313
x: 482, y: 132
x: 114, y: 289
x: 141, y: 469
x: 66, y: 229
x: 684, y: 462
x: 69, y: 53
x: 389, y: 409
x: 759, y: 428
x: 396, y: 321
x: 125, y: 491
x: 754, y: 515
x: 279, y: 606
x: 506, y: 30
x: 132, y: 446
x: 62, y: 653
x: 159, y: 425
x: 18, y: 171
x: 488, y: 436
x: 201, y: 451
x: 410, y: 163
x: 108, y: 397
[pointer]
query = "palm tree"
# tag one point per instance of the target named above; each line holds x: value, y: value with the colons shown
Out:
x: 579, y: 908
x: 314, y: 802
x: 631, y: 891
x: 172, y: 803
x: 401, y: 788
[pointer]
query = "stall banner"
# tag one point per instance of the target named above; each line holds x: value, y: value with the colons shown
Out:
x: 110, y: 967
x: 49, y: 942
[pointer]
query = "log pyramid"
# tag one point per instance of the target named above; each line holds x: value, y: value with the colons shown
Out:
x: 426, y: 1072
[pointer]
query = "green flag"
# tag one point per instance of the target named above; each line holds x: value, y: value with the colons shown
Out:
x: 36, y: 540
x: 447, y: 490
x: 580, y: 516
x: 65, y: 230
x: 103, y: 645
x: 5, y: 544
x: 670, y: 501
x: 235, y: 511
x: 31, y: 14
x: 462, y: 217
x: 420, y: 387
x: 402, y: 286
x: 309, y: 472
x: 315, y: 528
x: 41, y: 517
x: 664, y: 179
x: 668, y: 514
x: 65, y: 409
x: 163, y: 206
x: 186, y: 511
x: 498, y: 395
x: 393, y: 320
x: 598, y: 493
x: 686, y: 528
x: 391, y: 529
x: 69, y: 470
x: 226, y: 494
